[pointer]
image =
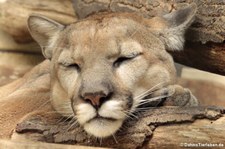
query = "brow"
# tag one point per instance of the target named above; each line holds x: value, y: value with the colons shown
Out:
x: 130, y: 48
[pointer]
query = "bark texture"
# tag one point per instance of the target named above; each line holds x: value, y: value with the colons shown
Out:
x: 27, y: 145
x: 172, y: 124
x: 208, y: 57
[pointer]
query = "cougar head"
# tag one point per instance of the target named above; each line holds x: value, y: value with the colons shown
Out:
x: 102, y: 64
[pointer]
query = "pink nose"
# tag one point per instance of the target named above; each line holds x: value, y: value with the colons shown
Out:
x: 95, y: 99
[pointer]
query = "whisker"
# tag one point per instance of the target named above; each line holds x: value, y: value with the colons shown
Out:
x: 145, y: 101
x: 71, y: 121
x: 130, y: 114
x: 114, y: 137
x: 44, y: 104
x: 74, y: 123
x: 149, y: 90
x: 145, y: 108
x: 59, y: 112
x: 100, y: 141
x: 66, y: 118
x: 61, y: 120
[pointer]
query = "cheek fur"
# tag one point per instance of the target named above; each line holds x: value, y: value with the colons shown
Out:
x: 157, y: 74
x: 60, y: 100
x: 159, y: 77
x: 68, y: 79
x: 130, y: 73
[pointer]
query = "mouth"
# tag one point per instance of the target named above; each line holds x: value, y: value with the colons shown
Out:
x: 102, y: 127
x: 101, y: 118
x: 101, y: 123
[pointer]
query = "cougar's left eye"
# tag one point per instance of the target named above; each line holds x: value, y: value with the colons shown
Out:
x: 121, y: 60
x: 124, y: 59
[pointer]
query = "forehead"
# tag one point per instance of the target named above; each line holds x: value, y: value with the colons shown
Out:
x: 109, y: 35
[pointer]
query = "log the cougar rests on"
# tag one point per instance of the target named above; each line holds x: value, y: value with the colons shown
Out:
x: 106, y: 68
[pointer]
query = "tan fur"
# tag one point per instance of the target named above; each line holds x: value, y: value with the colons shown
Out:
x: 86, y: 63
x: 94, y: 46
x: 22, y: 97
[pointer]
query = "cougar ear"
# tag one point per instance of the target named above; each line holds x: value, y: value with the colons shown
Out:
x: 171, y: 27
x: 43, y: 30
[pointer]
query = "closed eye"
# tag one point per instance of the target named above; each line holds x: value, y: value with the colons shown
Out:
x: 71, y: 66
x: 120, y: 60
x: 124, y: 59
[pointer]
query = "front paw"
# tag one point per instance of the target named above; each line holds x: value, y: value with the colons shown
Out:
x: 32, y: 126
x: 180, y: 97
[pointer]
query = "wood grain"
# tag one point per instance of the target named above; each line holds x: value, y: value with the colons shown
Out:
x: 14, y: 14
x: 151, y: 128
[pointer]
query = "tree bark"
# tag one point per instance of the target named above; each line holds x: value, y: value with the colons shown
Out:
x: 38, y: 145
x: 173, y: 124
x: 208, y: 57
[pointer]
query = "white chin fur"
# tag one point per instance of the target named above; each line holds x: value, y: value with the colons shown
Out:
x: 102, y: 128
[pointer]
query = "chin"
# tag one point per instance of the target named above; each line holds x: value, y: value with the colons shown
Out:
x: 101, y: 128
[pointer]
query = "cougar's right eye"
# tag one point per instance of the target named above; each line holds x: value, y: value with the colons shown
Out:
x: 71, y: 66
x: 75, y: 66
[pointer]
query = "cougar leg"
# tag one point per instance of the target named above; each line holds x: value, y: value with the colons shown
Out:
x: 181, y: 97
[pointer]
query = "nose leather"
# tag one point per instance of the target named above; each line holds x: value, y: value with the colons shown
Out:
x: 95, y: 98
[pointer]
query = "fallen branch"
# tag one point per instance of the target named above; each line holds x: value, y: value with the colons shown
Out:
x: 135, y: 133
x: 208, y: 57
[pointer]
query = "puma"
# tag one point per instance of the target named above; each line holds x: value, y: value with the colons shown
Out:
x: 108, y: 66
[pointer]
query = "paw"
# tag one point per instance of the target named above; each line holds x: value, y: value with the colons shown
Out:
x: 32, y: 126
x: 180, y: 97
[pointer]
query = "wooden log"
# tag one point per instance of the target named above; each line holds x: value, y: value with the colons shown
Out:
x: 149, y: 130
x: 200, y: 134
x: 208, y: 57
x: 14, y: 14
x: 5, y: 144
